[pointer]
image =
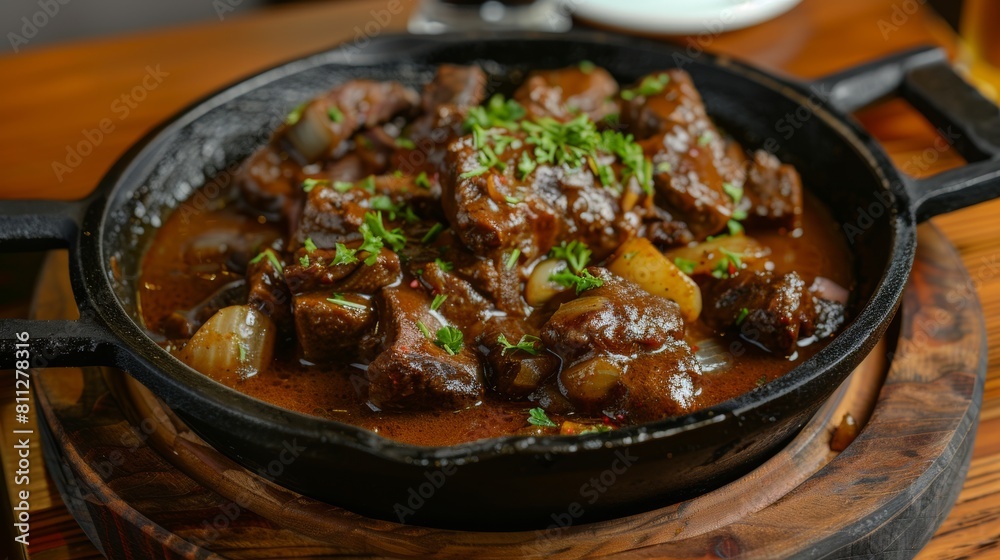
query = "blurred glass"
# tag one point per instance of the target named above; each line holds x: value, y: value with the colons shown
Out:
x: 979, y: 55
x: 439, y: 16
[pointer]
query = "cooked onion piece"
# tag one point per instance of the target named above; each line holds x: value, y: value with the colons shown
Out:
x: 538, y: 290
x: 639, y: 261
x: 713, y: 356
x: 824, y: 288
x: 236, y: 343
x: 704, y: 257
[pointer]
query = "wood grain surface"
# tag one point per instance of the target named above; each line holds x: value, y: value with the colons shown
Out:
x: 55, y: 97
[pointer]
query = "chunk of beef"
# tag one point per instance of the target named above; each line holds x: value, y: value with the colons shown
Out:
x: 331, y: 332
x: 413, y: 373
x: 319, y: 272
x: 773, y: 192
x: 268, y: 292
x: 500, y: 211
x: 269, y: 183
x: 446, y: 101
x: 770, y: 310
x: 319, y: 129
x: 502, y: 284
x: 566, y: 93
x: 622, y: 350
x: 514, y: 373
x: 671, y: 102
x: 463, y: 306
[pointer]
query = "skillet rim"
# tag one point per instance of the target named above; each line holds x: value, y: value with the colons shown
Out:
x: 177, y: 383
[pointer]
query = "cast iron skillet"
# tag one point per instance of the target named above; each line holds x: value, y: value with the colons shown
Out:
x: 510, y: 482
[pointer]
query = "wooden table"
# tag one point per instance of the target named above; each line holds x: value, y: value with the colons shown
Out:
x: 54, y: 99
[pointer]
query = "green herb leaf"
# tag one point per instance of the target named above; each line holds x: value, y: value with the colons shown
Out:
x: 343, y: 186
x: 309, y: 184
x: 537, y: 417
x: 526, y: 165
x: 334, y: 114
x: 663, y: 167
x: 243, y: 351
x: 734, y: 192
x: 706, y: 138
x: 368, y: 184
x: 345, y: 255
x: 575, y: 253
x: 405, y: 143
x: 444, y: 265
x: 423, y: 329
x: 376, y: 228
x: 438, y: 301
x: 309, y: 245
x: 739, y: 214
x: 422, y: 181
x: 512, y: 259
x: 338, y: 299
x: 735, y: 228
x: 742, y: 316
x: 498, y: 111
x: 586, y: 66
x: 432, y: 234
x: 304, y: 260
x: 270, y: 255
x: 528, y: 343
x: 451, y: 339
x: 686, y: 266
x: 650, y: 85
x: 581, y: 282
x: 296, y: 114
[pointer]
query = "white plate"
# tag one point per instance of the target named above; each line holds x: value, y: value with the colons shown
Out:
x: 678, y: 17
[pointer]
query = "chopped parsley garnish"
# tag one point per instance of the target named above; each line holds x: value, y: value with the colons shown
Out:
x: 512, y: 259
x: 513, y: 200
x: 537, y: 417
x: 296, y: 114
x: 309, y: 245
x: 487, y: 159
x: 432, y: 234
x: 343, y: 186
x: 663, y: 167
x: 735, y: 228
x: 575, y: 253
x: 562, y: 143
x: 345, y: 255
x: 243, y: 351
x: 335, y: 114
x: 742, y: 316
x: 270, y: 255
x: 729, y: 265
x: 338, y: 299
x: 309, y: 184
x: 706, y: 138
x: 686, y: 266
x: 383, y: 203
x: 368, y: 183
x: 528, y: 343
x: 376, y: 228
x: 423, y: 329
x: 650, y: 85
x: 595, y: 429
x: 631, y: 155
x: 438, y: 301
x: 405, y: 143
x: 739, y: 214
x: 498, y: 111
x: 444, y: 265
x: 734, y: 192
x: 422, y: 181
x: 581, y: 282
x: 304, y: 260
x: 451, y: 339
x: 586, y: 66
x: 526, y: 165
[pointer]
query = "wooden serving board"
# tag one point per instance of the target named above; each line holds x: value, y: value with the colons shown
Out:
x: 144, y: 486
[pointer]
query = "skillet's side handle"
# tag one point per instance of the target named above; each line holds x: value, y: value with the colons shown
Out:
x: 30, y: 225
x: 964, y: 118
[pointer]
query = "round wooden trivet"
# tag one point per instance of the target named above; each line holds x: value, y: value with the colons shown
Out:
x: 144, y: 486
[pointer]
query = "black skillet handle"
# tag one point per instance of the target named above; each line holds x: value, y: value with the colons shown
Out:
x: 964, y: 118
x: 30, y: 225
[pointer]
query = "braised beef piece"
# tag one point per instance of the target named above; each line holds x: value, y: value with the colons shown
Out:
x: 411, y: 372
x: 515, y: 373
x: 268, y: 183
x: 463, y: 305
x: 319, y: 273
x: 332, y: 332
x: 770, y: 310
x: 268, y: 292
x: 319, y: 129
x: 499, y: 211
x: 566, y: 93
x: 773, y: 192
x: 663, y: 230
x: 446, y: 101
x: 622, y: 350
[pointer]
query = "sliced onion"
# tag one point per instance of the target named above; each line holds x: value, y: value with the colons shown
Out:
x: 538, y: 290
x: 712, y: 356
x: 236, y: 343
x: 827, y: 289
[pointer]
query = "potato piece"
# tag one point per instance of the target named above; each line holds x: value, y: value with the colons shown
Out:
x: 639, y: 261
x: 707, y: 255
